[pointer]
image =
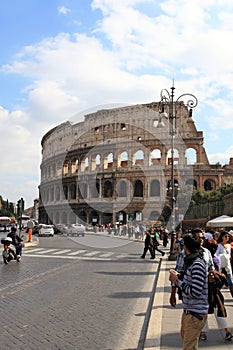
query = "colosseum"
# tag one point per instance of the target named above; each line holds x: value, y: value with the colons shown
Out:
x: 116, y: 164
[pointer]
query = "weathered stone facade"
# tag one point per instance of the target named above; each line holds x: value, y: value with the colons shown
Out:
x: 116, y: 166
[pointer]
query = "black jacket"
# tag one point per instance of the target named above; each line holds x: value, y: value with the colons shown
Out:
x: 16, y: 240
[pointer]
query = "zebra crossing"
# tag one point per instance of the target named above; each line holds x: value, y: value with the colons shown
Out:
x: 80, y: 254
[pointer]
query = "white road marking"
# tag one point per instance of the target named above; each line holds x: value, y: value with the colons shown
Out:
x: 69, y: 254
x: 92, y: 253
x: 77, y: 252
x: 25, y: 251
x: 106, y: 255
x: 62, y: 251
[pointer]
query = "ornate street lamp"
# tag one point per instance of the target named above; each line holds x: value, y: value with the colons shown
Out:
x: 167, y: 103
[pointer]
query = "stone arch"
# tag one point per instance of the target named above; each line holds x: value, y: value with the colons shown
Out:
x: 94, y: 217
x: 190, y: 156
x: 123, y: 159
x: 108, y: 161
x: 73, y: 191
x: 84, y: 164
x: 95, y: 189
x: 209, y: 185
x: 83, y: 216
x: 176, y: 157
x: 138, y: 215
x: 64, y: 218
x: 108, y: 189
x: 155, y: 157
x: 122, y: 188
x: 52, y: 193
x: 122, y: 217
x: 155, y: 188
x: 138, y: 157
x: 57, y: 193
x: 65, y: 191
x: 95, y: 162
x: 138, y: 189
x: 83, y: 190
x: 57, y: 218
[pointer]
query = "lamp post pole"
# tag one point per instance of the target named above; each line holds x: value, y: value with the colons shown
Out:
x: 167, y: 102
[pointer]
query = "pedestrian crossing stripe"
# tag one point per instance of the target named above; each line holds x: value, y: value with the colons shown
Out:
x: 70, y: 254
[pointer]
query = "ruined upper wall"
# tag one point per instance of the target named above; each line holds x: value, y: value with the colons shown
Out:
x: 106, y: 124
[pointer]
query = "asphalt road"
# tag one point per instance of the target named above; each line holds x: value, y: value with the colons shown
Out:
x: 76, y: 293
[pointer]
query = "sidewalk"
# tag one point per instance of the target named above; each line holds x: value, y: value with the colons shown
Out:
x: 164, y: 325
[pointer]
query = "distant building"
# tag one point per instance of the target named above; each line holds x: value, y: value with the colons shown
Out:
x: 33, y: 212
x: 115, y: 166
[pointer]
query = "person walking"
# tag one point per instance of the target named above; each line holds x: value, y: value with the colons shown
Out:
x: 193, y: 282
x: 224, y: 251
x: 148, y: 245
x: 156, y: 244
x: 216, y: 281
x: 197, y: 233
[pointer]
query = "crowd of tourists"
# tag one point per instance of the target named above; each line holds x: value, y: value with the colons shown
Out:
x: 204, y: 265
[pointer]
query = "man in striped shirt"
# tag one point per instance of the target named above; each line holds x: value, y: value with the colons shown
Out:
x: 193, y: 282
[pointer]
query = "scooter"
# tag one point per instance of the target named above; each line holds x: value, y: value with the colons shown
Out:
x: 9, y: 251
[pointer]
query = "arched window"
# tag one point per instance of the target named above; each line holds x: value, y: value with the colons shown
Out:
x: 65, y: 190
x: 95, y: 189
x: 108, y: 190
x: 155, y: 188
x: 94, y: 217
x: 52, y: 194
x: 138, y: 158
x: 83, y: 190
x: 73, y: 191
x: 155, y: 157
x: 83, y: 216
x: 190, y: 156
x: 57, y: 193
x: 122, y: 189
x: 208, y: 185
x: 108, y: 161
x: 64, y: 218
x: 175, y: 156
x: 138, y: 189
x: 123, y: 159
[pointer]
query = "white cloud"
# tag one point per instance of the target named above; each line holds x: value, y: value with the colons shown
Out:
x: 63, y: 10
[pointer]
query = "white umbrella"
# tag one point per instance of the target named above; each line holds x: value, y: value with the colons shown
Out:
x: 221, y: 221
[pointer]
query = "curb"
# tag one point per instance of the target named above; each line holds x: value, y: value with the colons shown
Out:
x: 33, y: 243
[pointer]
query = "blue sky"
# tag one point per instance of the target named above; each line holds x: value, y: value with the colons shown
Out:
x: 59, y: 58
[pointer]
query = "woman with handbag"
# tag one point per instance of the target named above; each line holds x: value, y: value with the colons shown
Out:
x: 224, y: 251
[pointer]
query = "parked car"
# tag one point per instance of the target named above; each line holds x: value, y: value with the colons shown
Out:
x: 46, y: 230
x: 77, y: 230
